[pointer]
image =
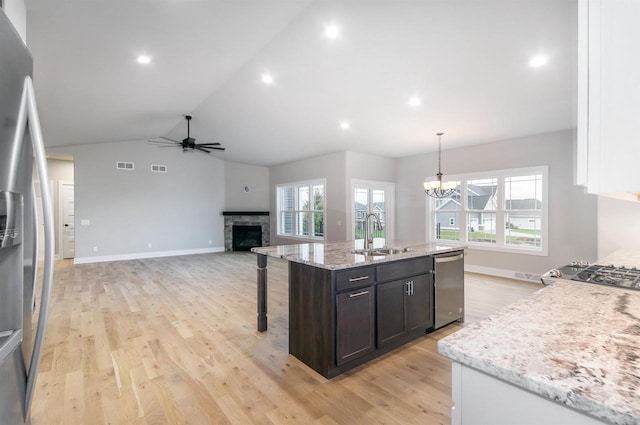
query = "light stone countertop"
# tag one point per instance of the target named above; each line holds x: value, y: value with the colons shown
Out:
x: 336, y: 256
x: 575, y: 343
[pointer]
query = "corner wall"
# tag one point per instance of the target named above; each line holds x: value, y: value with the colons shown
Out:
x: 330, y: 167
x: 618, y: 225
x: 256, y: 181
x: 572, y: 213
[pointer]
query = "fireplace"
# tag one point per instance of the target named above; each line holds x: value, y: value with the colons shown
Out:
x: 254, y: 225
x: 246, y: 237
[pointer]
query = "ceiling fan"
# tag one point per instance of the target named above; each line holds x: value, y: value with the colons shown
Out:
x: 189, y: 143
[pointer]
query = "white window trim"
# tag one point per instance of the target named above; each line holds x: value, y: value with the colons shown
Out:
x: 500, y: 246
x: 298, y: 237
x: 389, y: 193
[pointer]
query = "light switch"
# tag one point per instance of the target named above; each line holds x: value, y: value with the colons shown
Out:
x: 84, y: 222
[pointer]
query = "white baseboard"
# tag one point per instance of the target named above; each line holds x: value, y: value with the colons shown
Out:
x: 528, y: 277
x: 140, y: 255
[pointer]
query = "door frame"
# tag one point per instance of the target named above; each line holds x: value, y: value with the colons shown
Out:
x: 389, y: 200
x: 60, y: 225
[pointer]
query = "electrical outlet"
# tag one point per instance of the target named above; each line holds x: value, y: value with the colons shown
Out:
x: 95, y: 249
x: 210, y: 241
x: 149, y: 244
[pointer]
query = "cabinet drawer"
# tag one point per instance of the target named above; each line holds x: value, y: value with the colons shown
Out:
x: 404, y: 268
x: 353, y: 278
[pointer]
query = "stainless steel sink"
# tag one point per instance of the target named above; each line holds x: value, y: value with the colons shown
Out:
x: 380, y: 251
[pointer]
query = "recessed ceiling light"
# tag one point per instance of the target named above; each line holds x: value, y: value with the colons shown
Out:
x: 538, y: 61
x: 332, y: 31
x: 345, y: 125
x: 414, y: 101
x: 144, y: 59
x: 267, y: 79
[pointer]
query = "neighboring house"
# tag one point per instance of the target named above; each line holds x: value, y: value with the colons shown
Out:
x: 481, y: 206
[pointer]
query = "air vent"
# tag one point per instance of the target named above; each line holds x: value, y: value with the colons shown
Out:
x: 121, y: 165
x: 155, y: 168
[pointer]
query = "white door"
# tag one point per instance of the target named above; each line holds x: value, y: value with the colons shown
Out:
x: 67, y: 213
x: 371, y: 197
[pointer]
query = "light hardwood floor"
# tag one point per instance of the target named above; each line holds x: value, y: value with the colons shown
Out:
x: 173, y: 341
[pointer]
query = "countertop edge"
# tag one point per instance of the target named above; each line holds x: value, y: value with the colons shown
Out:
x: 416, y: 251
x: 589, y: 406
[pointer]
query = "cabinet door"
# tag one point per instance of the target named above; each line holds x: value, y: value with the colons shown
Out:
x: 390, y: 309
x: 608, y: 96
x: 354, y: 324
x: 419, y: 303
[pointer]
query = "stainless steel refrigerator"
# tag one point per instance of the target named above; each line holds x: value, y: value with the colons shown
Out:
x: 21, y: 149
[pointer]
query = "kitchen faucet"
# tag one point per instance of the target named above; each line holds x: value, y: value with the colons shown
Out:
x: 368, y: 237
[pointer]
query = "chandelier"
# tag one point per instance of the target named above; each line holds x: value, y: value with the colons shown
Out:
x: 436, y: 188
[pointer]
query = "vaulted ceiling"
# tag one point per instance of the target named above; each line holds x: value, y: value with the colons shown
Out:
x: 466, y: 60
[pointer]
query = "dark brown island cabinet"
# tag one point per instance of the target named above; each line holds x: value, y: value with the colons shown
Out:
x: 340, y: 319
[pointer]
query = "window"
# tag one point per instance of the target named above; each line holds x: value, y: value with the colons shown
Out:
x: 503, y: 210
x: 371, y: 197
x: 301, y: 210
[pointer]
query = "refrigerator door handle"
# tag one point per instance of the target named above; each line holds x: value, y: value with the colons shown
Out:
x: 28, y: 108
x: 36, y: 247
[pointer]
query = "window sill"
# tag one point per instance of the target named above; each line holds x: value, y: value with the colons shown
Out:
x: 483, y: 247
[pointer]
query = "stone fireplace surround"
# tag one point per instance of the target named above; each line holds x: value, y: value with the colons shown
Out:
x: 245, y: 218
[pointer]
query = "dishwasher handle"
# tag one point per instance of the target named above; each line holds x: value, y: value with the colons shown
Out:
x: 450, y: 258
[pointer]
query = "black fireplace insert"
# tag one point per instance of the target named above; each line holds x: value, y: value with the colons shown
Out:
x: 246, y: 237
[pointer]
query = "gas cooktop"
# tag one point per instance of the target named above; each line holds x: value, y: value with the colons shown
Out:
x: 610, y: 275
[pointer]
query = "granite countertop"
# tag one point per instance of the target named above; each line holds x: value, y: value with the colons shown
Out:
x: 575, y: 343
x: 335, y: 256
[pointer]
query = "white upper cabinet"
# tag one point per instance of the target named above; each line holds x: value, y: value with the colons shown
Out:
x: 608, y: 151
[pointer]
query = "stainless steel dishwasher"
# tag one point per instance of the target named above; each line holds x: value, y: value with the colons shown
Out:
x: 449, y: 288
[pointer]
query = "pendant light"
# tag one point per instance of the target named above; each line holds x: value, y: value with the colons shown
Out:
x: 436, y: 188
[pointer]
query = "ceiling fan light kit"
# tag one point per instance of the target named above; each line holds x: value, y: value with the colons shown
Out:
x: 188, y: 143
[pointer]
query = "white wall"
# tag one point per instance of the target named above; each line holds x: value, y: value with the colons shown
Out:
x: 572, y: 214
x: 618, y: 225
x: 176, y: 212
x: 16, y: 11
x: 338, y: 169
x: 255, y: 179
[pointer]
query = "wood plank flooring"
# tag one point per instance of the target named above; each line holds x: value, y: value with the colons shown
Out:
x: 173, y: 341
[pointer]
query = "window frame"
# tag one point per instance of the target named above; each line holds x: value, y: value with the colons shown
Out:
x: 309, y: 212
x: 501, y: 211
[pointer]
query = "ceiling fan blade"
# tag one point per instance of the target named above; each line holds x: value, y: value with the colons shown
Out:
x: 208, y: 144
x: 202, y: 149
x: 166, y: 138
x: 162, y: 142
x: 218, y: 149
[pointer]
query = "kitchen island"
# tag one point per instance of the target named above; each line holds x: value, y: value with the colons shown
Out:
x: 569, y: 354
x: 348, y: 306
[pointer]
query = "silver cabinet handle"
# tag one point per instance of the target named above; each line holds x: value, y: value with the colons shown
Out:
x: 28, y: 108
x: 358, y: 294
x: 356, y: 279
x: 448, y: 259
x: 408, y: 283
